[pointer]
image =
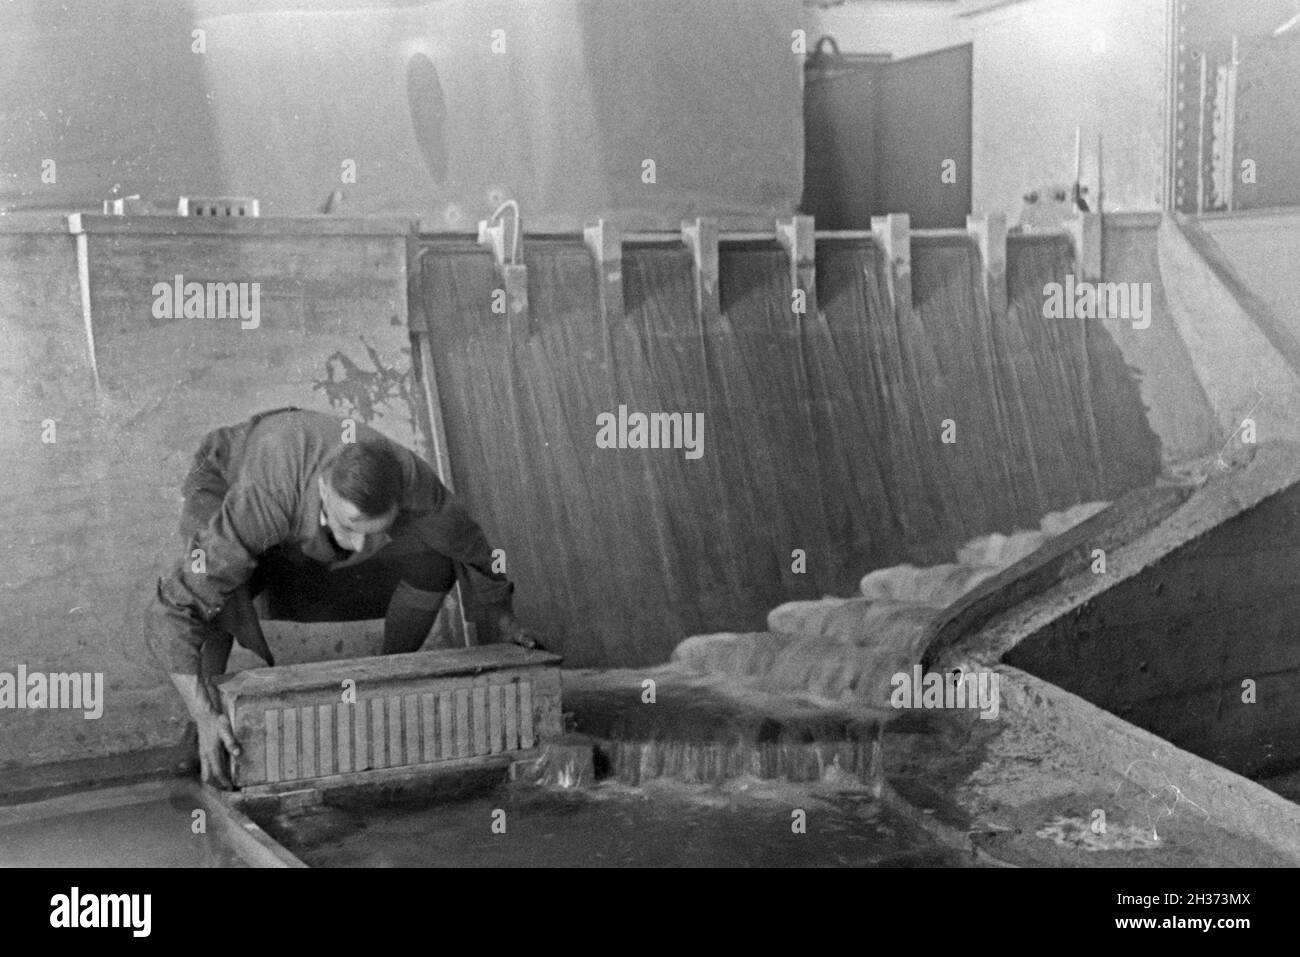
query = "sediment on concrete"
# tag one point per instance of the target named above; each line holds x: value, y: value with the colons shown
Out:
x: 1226, y: 800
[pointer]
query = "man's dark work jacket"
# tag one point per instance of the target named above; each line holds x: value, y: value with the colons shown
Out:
x: 268, y: 468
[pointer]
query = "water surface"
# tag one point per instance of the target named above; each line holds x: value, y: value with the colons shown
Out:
x: 612, y: 825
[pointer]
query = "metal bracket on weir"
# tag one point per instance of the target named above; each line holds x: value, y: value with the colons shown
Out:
x: 1085, y: 230
x: 797, y: 237
x: 701, y: 238
x: 512, y: 273
x: 605, y: 242
x: 990, y: 235
x: 893, y: 234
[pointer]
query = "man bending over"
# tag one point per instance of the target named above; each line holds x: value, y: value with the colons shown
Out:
x: 331, y: 531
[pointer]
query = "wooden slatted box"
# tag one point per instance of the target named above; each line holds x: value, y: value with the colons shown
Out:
x: 298, y: 723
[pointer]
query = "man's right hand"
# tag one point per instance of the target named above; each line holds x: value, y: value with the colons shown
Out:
x: 216, y: 742
x: 216, y: 738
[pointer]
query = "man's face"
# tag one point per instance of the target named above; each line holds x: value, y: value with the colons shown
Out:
x: 346, y: 522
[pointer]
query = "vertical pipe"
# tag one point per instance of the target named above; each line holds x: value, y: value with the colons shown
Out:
x: 1173, y: 58
x: 83, y: 282
x: 1229, y: 132
x: 1202, y: 133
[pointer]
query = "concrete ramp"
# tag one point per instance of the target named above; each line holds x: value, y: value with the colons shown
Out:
x: 1062, y: 559
x: 1190, y: 631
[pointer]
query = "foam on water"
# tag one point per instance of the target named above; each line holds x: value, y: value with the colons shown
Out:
x: 848, y: 649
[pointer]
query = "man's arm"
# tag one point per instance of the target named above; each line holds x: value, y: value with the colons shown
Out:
x: 452, y: 532
x: 219, y: 559
x: 445, y: 526
x: 216, y: 737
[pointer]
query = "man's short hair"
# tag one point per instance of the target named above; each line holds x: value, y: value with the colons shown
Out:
x: 368, y: 475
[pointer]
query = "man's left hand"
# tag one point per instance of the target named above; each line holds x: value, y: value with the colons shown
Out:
x: 510, y: 630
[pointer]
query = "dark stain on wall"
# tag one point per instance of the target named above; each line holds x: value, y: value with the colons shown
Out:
x: 356, y: 391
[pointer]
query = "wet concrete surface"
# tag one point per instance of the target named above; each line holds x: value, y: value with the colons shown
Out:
x: 157, y: 833
x: 1034, y: 803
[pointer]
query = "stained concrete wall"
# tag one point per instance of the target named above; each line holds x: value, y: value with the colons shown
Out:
x: 90, y: 517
